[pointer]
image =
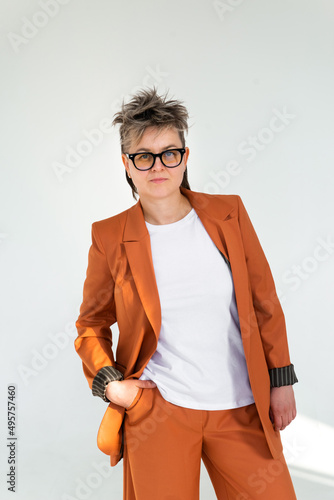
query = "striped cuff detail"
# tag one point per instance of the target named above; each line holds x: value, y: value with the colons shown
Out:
x: 101, y: 380
x: 282, y: 376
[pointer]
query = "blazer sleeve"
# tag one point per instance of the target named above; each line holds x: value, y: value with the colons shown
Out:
x: 268, y: 310
x: 97, y: 314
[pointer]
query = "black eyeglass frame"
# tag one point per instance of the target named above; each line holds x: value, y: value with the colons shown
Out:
x: 156, y: 155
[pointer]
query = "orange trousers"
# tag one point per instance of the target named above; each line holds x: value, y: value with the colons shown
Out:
x: 164, y: 445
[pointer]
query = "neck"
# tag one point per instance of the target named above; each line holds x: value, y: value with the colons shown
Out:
x: 165, y: 210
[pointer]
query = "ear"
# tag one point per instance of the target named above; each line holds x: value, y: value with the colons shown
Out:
x: 125, y: 161
x: 186, y: 156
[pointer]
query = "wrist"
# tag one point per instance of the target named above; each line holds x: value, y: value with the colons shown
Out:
x: 102, y: 379
x: 282, y: 376
x: 111, y: 390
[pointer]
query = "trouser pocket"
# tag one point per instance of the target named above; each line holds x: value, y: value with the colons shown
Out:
x: 141, y: 406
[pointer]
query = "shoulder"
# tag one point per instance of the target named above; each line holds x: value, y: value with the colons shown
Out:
x: 231, y: 199
x: 226, y: 203
x: 112, y: 225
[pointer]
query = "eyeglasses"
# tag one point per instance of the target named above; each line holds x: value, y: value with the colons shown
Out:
x: 145, y: 161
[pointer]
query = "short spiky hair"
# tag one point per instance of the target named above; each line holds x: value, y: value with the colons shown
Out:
x: 148, y: 109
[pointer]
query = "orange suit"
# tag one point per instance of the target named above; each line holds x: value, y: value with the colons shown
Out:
x: 120, y: 287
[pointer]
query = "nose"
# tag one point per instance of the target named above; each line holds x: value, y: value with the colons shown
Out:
x: 158, y: 165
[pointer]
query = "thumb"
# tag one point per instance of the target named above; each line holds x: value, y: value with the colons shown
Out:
x: 146, y: 384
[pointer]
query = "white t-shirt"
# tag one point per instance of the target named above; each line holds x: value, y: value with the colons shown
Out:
x: 199, y: 362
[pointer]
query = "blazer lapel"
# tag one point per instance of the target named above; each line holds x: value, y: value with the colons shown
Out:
x: 223, y: 228
x: 137, y: 244
x: 212, y: 220
x: 240, y: 277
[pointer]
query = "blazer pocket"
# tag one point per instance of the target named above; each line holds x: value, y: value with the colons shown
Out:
x: 109, y: 437
x: 141, y: 407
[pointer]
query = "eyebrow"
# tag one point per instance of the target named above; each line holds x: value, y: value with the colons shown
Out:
x: 144, y: 150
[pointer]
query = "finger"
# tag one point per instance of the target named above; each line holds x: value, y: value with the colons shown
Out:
x: 292, y: 416
x: 278, y: 423
x: 285, y: 420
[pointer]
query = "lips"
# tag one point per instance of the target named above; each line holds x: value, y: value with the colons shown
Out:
x: 158, y: 180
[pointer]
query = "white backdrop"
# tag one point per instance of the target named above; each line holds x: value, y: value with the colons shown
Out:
x: 257, y: 77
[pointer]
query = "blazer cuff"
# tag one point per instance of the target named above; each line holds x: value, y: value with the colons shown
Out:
x: 101, y: 380
x: 282, y: 376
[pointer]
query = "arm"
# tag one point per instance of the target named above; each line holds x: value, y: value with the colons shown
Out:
x: 270, y: 319
x: 94, y: 341
x: 97, y: 314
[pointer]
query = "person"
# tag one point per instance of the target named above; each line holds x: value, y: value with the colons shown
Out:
x: 202, y: 367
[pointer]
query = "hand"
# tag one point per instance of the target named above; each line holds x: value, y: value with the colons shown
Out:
x: 282, y: 406
x: 123, y: 392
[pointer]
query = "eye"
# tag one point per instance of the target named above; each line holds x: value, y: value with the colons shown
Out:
x: 143, y: 156
x: 169, y: 154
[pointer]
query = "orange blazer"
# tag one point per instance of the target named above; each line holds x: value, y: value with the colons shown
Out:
x: 120, y: 287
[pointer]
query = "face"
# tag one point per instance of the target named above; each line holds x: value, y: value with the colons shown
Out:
x: 160, y: 181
